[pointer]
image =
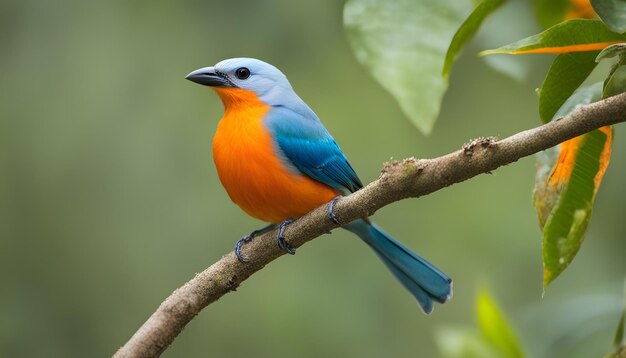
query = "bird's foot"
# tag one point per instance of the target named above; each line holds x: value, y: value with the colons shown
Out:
x: 280, y: 240
x: 249, y: 238
x: 331, y: 213
x: 238, y: 245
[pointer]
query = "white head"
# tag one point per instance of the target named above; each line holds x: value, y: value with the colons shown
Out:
x: 266, y: 81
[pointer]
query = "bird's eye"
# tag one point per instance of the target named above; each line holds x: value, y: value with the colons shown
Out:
x: 242, y: 73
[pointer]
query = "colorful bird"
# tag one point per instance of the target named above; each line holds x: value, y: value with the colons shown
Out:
x: 278, y: 162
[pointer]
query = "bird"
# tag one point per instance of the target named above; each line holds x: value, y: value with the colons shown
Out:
x: 277, y: 162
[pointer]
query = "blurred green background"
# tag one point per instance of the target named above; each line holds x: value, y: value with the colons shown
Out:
x: 109, y: 199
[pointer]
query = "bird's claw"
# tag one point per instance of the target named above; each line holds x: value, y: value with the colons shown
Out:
x: 331, y: 213
x: 238, y: 245
x: 249, y: 238
x: 280, y: 240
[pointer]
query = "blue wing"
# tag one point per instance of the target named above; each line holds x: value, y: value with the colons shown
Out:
x: 309, y: 147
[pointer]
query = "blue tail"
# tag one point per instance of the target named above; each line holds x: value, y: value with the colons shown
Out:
x: 417, y: 275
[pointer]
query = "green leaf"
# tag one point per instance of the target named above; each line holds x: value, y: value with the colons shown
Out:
x: 550, y: 12
x: 612, y: 51
x: 566, y: 74
x: 612, y: 12
x: 582, y: 96
x: 513, y: 20
x: 620, y: 354
x: 565, y: 228
x: 618, y: 341
x: 403, y: 45
x: 467, y: 31
x: 495, y: 328
x: 552, y: 199
x: 545, y: 196
x: 616, y: 83
x: 462, y: 342
x: 565, y: 187
x: 569, y: 36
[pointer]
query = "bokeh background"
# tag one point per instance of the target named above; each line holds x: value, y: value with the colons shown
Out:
x: 109, y: 199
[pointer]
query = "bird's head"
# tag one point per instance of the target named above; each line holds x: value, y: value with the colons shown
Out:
x: 240, y: 79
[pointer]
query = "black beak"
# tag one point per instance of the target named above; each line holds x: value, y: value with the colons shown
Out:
x: 208, y: 77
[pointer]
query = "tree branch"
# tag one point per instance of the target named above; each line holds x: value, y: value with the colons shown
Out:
x: 399, y: 180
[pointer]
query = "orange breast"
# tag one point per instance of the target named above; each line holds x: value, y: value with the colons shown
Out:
x: 254, y: 176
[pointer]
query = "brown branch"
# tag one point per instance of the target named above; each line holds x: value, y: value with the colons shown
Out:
x: 399, y: 180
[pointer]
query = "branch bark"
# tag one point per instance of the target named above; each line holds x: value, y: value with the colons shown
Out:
x: 399, y: 180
